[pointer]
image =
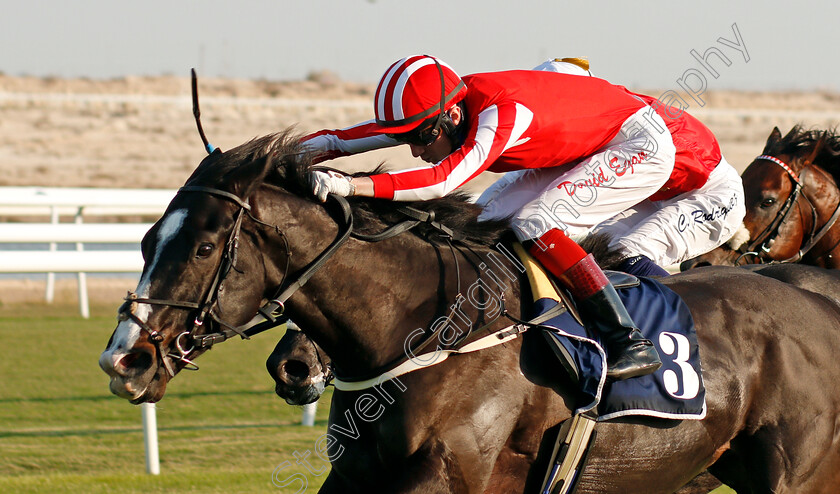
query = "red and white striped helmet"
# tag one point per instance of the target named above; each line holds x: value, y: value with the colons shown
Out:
x: 410, y: 92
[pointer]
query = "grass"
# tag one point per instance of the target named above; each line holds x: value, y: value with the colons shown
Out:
x: 221, y: 429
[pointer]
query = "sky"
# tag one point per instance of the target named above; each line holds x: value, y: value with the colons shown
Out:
x: 773, y: 45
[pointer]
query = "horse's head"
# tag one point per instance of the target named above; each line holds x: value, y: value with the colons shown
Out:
x: 300, y: 369
x: 197, y: 258
x: 783, y: 192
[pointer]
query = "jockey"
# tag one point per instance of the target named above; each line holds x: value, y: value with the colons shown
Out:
x: 703, y: 215
x: 578, y: 151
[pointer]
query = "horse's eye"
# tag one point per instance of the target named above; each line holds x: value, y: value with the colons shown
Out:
x: 768, y: 202
x: 204, y: 250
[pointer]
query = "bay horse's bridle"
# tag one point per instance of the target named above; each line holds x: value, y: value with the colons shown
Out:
x: 760, y: 247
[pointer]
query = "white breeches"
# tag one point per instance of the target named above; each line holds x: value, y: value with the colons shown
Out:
x: 608, y: 191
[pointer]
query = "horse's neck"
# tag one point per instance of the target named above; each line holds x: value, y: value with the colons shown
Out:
x: 372, y: 301
x: 823, y: 195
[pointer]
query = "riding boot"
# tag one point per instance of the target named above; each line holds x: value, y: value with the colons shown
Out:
x: 629, y: 354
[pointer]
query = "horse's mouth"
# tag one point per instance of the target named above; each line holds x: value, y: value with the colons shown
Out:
x: 143, y: 399
x: 298, y: 396
x: 128, y: 389
x: 152, y: 393
x: 144, y: 387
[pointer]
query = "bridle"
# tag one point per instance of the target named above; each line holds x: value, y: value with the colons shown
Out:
x: 760, y: 247
x: 272, y: 313
x: 189, y: 340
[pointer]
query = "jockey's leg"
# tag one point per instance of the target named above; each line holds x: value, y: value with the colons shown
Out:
x: 674, y: 230
x: 545, y: 202
x: 629, y: 354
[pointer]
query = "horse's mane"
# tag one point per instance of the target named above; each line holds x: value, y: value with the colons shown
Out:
x: 800, y: 141
x: 291, y: 165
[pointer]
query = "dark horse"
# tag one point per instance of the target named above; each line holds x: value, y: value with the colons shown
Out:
x: 792, y: 201
x: 300, y: 369
x: 476, y: 422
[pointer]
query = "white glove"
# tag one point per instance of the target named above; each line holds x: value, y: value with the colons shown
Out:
x: 326, y: 182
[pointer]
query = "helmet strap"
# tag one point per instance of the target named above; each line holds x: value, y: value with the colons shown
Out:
x: 456, y: 133
x: 441, y: 114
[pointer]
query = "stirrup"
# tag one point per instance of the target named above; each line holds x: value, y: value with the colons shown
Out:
x: 568, y: 458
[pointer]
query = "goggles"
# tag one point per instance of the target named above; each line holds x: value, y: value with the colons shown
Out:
x: 425, y: 137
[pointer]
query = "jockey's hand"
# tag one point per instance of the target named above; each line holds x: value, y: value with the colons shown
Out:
x: 326, y: 182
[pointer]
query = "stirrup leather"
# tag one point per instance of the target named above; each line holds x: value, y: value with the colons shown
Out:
x: 568, y: 458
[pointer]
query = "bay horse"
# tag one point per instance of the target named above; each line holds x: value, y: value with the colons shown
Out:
x: 483, y: 422
x: 792, y: 201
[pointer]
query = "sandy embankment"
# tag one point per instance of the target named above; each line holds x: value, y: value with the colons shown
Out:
x: 138, y: 132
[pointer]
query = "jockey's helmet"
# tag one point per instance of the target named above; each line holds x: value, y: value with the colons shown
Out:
x: 414, y: 89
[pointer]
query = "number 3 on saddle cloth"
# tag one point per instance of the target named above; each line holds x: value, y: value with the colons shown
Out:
x: 674, y: 391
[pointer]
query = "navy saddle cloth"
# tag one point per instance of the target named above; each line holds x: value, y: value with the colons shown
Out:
x: 674, y: 391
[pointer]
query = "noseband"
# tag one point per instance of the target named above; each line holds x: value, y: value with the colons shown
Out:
x: 760, y: 247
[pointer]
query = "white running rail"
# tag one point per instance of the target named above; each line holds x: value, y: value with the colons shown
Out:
x: 49, y: 205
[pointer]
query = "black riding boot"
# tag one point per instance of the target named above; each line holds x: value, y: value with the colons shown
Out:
x: 629, y: 354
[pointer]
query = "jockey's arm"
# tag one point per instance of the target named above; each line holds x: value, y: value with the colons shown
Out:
x: 364, y: 186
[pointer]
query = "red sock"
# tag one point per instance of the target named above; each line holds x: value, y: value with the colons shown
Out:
x: 566, y: 260
x: 556, y: 251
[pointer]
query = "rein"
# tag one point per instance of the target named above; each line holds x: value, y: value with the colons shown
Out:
x: 764, y: 241
x: 272, y: 313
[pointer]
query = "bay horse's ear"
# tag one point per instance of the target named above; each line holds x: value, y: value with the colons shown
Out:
x: 245, y: 178
x: 775, y: 136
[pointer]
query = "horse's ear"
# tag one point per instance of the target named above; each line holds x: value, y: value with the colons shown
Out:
x: 775, y: 136
x: 247, y: 177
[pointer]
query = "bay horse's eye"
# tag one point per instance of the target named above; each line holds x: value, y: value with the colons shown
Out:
x: 768, y: 202
x: 204, y: 250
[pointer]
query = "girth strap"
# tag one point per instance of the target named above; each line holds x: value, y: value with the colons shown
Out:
x: 472, y: 343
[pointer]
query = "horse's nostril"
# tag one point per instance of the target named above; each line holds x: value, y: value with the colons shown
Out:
x: 136, y: 360
x: 295, y: 370
x: 702, y: 263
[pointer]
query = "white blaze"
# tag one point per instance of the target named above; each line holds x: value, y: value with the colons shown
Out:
x: 127, y: 332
